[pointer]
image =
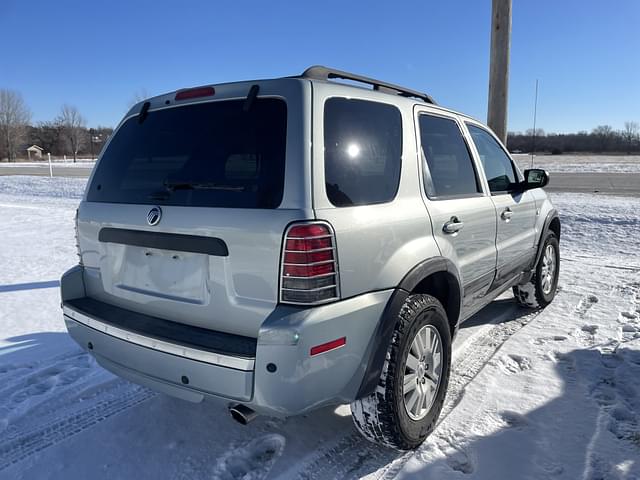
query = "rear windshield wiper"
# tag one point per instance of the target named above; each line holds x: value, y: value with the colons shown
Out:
x: 171, y: 186
x: 144, y: 111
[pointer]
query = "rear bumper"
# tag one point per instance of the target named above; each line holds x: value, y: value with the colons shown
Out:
x: 158, y: 369
x: 300, y: 382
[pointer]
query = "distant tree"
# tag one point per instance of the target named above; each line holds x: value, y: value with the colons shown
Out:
x: 73, y: 127
x: 48, y: 135
x: 14, y: 118
x: 539, y: 132
x: 630, y: 134
x: 602, y: 138
x: 603, y: 135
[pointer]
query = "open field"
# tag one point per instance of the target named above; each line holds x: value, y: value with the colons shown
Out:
x: 581, y: 163
x: 60, y: 169
x: 604, y: 174
x: 551, y: 394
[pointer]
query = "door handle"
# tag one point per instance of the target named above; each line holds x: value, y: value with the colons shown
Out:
x: 506, y: 214
x: 453, y: 225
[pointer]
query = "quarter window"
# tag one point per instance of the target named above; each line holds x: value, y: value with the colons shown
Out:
x: 449, y: 169
x: 362, y: 151
x: 497, y: 164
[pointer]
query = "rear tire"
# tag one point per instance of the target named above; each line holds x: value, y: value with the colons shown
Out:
x: 540, y: 290
x: 404, y: 409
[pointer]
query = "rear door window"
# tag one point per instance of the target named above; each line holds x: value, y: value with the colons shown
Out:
x: 206, y: 155
x: 448, y: 167
x: 362, y: 151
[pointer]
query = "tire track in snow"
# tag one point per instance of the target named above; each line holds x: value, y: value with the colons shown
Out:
x: 352, y: 456
x: 463, y: 373
x: 96, y: 401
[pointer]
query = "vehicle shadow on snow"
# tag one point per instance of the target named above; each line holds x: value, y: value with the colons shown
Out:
x: 591, y: 430
x: 499, y: 311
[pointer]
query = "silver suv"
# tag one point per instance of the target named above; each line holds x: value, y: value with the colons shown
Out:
x: 298, y: 242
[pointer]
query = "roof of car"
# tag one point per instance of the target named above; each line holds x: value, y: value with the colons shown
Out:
x: 322, y: 74
x: 326, y: 74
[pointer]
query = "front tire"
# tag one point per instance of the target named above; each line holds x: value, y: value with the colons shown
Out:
x: 404, y: 409
x: 541, y: 289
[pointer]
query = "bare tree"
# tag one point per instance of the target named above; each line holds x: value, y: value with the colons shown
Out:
x: 603, y: 135
x: 48, y: 135
x: 630, y: 134
x: 538, y: 132
x: 73, y: 125
x: 14, y: 118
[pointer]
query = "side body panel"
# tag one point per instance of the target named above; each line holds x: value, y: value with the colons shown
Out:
x: 377, y: 244
x: 516, y: 234
x: 473, y: 248
x: 516, y: 216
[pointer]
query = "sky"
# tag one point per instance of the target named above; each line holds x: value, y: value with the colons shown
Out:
x: 99, y: 56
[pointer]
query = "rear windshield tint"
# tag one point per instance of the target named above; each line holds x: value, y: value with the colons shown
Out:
x: 206, y: 155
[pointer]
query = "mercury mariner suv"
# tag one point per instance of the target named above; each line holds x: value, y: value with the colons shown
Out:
x: 298, y: 242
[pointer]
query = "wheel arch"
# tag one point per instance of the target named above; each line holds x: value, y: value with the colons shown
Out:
x: 436, y: 276
x: 440, y: 279
x: 554, y: 225
x: 551, y: 223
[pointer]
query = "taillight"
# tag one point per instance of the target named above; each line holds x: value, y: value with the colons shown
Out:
x: 77, y: 239
x: 309, y: 272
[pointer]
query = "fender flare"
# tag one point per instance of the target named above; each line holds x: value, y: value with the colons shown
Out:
x: 379, y: 343
x: 553, y: 214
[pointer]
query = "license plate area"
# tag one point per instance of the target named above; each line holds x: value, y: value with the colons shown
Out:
x: 162, y: 274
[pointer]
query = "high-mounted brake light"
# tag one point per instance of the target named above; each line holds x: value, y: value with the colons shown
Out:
x: 195, y: 93
x: 309, y: 273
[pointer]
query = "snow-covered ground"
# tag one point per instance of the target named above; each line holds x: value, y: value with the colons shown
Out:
x: 581, y: 163
x: 551, y: 394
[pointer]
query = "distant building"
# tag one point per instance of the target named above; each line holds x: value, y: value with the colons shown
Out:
x: 35, y: 151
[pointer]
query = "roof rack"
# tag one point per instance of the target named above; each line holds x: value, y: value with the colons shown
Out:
x: 318, y: 72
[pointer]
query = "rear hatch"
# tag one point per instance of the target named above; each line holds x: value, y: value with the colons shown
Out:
x: 184, y: 215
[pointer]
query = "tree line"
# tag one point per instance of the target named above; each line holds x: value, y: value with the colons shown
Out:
x: 66, y: 134
x: 602, y: 139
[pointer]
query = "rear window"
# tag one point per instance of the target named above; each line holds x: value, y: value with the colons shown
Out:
x: 362, y: 151
x: 207, y: 155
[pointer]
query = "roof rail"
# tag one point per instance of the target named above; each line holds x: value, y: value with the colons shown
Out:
x: 318, y: 72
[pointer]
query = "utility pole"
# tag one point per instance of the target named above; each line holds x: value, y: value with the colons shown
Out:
x: 91, y: 132
x: 499, y: 67
x: 535, y: 115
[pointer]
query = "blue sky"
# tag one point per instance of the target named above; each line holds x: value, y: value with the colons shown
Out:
x: 97, y: 55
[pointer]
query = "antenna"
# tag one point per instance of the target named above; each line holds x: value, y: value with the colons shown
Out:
x: 535, y: 114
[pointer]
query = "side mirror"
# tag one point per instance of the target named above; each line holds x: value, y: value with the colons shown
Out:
x: 535, y: 178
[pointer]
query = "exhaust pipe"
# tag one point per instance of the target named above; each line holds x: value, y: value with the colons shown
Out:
x: 242, y: 414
